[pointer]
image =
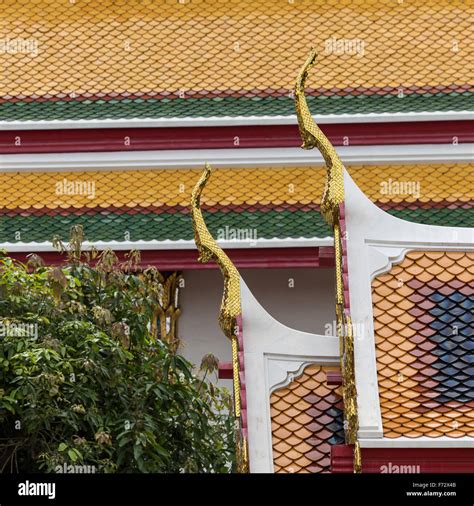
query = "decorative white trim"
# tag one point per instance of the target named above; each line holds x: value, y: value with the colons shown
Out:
x: 271, y: 350
x: 235, y: 157
x: 301, y: 242
x: 420, y: 442
x: 234, y: 120
x: 281, y: 372
x: 375, y: 241
x: 381, y: 259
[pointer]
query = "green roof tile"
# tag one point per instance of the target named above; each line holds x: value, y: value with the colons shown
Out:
x: 230, y: 106
x: 161, y: 227
x: 109, y: 226
x: 437, y: 216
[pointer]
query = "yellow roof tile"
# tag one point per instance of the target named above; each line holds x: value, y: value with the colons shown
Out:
x: 140, y: 46
x: 227, y: 187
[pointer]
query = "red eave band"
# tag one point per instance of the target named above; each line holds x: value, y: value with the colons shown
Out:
x: 263, y: 258
x: 226, y: 370
x: 404, y: 460
x: 265, y: 136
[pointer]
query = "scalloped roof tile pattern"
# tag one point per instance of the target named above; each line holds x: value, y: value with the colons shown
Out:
x: 424, y: 335
x: 307, y: 418
x: 168, y: 58
x: 277, y: 202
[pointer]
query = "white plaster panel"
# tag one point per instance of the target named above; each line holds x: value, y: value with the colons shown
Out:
x: 272, y: 354
x: 375, y: 241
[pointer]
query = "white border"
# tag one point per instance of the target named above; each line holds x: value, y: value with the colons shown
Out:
x: 420, y: 442
x: 235, y: 158
x: 301, y: 242
x: 198, y: 121
x: 376, y: 240
x: 273, y: 356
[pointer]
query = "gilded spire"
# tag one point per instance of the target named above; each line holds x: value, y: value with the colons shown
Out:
x: 313, y: 136
x: 209, y: 250
x: 230, y: 305
x: 333, y: 198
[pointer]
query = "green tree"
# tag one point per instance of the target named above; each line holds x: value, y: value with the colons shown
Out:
x: 83, y: 382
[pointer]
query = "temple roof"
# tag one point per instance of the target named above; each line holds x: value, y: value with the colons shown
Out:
x: 423, y: 324
x: 95, y: 59
x: 274, y: 202
x: 307, y: 418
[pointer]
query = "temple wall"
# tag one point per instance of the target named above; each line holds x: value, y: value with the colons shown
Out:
x: 299, y: 298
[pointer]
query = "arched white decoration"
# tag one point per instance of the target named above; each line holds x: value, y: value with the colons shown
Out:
x: 282, y: 372
x: 376, y: 241
x: 273, y: 355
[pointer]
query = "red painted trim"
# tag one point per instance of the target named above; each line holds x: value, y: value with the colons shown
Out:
x: 181, y: 209
x: 225, y: 370
x: 390, y: 460
x: 342, y: 459
x: 334, y: 378
x: 345, y: 265
x: 243, y: 388
x: 326, y: 256
x: 258, y: 258
x: 267, y: 136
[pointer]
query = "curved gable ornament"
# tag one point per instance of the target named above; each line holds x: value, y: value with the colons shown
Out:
x: 210, y: 250
x: 381, y: 247
x: 332, y: 208
x: 230, y: 310
x: 313, y: 137
x: 379, y: 244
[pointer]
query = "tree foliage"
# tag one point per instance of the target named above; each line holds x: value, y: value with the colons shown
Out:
x: 83, y: 382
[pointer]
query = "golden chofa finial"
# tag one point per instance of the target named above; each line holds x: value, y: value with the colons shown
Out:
x: 210, y: 250
x: 313, y: 136
x: 302, y: 110
x: 230, y: 306
x: 333, y: 197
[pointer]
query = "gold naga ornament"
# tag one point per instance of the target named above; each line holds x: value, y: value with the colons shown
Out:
x: 230, y: 305
x: 165, y: 290
x: 333, y: 198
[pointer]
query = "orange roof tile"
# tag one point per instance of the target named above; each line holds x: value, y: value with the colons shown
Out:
x: 303, y: 433
x: 278, y: 202
x: 425, y: 368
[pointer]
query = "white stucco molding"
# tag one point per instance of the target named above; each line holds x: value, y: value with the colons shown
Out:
x: 376, y: 241
x: 234, y: 158
x: 180, y: 244
x: 282, y: 371
x: 419, y: 442
x: 274, y: 355
x: 382, y: 258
